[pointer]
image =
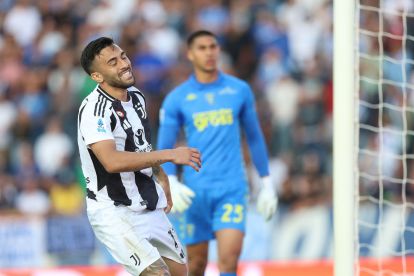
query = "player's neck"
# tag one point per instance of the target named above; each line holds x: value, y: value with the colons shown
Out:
x: 118, y: 93
x: 206, y: 77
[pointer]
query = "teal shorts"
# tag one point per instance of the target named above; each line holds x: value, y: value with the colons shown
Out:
x: 213, y: 209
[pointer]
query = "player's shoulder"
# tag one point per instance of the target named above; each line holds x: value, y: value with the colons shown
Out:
x: 96, y: 104
x: 236, y: 84
x: 136, y: 92
x: 182, y: 88
x: 179, y: 92
x: 234, y: 81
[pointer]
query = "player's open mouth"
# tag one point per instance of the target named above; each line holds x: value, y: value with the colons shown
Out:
x: 126, y: 74
x: 210, y: 62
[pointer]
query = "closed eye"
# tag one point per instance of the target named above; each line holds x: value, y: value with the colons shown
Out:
x: 111, y: 62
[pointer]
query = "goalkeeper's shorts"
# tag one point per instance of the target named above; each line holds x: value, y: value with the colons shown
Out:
x: 136, y: 239
x: 220, y: 206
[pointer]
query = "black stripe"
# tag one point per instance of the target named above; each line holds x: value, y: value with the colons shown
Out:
x: 105, y: 94
x: 129, y: 141
x: 100, y: 113
x: 142, y: 95
x: 144, y: 121
x: 147, y: 190
x: 96, y: 105
x: 80, y: 116
x: 112, y: 181
x: 113, y: 122
x: 103, y: 108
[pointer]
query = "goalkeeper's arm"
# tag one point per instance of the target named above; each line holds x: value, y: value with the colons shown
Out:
x: 267, y: 199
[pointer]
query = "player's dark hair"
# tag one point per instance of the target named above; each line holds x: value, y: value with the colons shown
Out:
x: 197, y: 34
x: 92, y: 50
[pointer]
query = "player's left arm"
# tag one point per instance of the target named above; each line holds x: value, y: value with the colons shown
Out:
x: 165, y: 184
x: 170, y: 123
x: 254, y: 134
x: 267, y: 199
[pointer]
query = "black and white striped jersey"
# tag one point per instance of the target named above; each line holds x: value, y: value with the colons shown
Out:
x: 102, y: 117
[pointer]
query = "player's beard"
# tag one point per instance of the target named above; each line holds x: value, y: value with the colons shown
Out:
x: 207, y: 68
x: 119, y: 83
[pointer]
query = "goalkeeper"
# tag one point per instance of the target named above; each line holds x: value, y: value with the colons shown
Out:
x: 211, y: 107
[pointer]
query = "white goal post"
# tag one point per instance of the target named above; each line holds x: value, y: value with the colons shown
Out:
x: 344, y: 137
x: 373, y: 137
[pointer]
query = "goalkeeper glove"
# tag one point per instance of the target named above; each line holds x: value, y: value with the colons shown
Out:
x: 267, y: 199
x: 181, y: 195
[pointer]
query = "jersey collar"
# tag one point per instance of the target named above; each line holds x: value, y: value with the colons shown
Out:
x: 194, y: 81
x: 106, y: 94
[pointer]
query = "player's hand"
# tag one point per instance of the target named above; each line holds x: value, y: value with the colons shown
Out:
x: 169, y: 206
x: 267, y: 199
x: 187, y: 156
x: 181, y: 195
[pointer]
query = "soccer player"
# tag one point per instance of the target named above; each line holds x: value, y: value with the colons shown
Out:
x: 211, y: 107
x: 128, y: 193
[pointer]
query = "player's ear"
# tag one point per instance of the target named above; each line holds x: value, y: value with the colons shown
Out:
x: 96, y: 76
x: 190, y: 55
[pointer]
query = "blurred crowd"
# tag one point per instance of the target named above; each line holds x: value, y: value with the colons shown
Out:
x: 283, y: 48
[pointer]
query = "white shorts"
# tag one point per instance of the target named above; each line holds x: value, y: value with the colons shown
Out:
x: 136, y: 239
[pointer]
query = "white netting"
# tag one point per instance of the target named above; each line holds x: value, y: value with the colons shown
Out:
x: 385, y: 167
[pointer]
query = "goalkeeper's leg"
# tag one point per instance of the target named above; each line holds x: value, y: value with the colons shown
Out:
x: 229, y: 245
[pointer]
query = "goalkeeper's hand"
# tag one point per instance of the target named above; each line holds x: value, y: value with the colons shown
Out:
x: 181, y: 195
x: 267, y: 199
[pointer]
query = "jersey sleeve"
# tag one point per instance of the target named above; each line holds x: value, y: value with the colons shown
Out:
x: 170, y: 111
x: 254, y: 134
x: 95, y: 128
x: 170, y: 123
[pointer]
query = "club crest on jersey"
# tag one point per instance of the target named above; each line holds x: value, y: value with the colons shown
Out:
x: 101, y: 127
x: 210, y: 98
x: 120, y: 114
x: 140, y: 110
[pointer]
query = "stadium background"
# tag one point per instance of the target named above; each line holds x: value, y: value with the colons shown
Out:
x: 283, y: 48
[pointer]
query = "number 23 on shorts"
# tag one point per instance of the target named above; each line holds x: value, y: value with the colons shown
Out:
x: 233, y: 213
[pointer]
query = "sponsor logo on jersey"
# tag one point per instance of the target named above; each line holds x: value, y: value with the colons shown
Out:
x: 214, y: 118
x: 191, y: 97
x: 101, y: 127
x: 147, y: 148
x: 227, y: 90
x: 120, y: 114
x: 141, y: 141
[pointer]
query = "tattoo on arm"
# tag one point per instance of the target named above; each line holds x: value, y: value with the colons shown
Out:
x: 156, y: 170
x: 160, y: 175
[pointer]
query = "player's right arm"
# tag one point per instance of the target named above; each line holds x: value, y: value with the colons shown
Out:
x: 115, y: 161
x: 96, y: 132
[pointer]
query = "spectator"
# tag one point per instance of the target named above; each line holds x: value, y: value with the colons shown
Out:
x: 52, y: 148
